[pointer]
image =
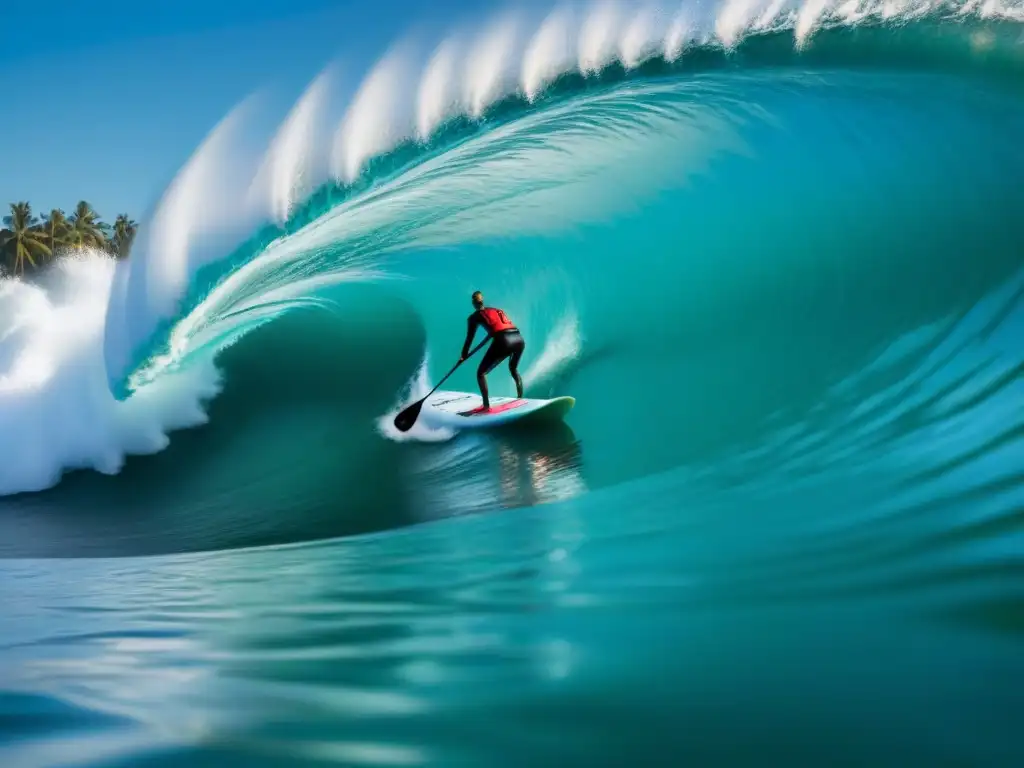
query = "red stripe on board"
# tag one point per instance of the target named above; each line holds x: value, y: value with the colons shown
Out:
x: 494, y: 408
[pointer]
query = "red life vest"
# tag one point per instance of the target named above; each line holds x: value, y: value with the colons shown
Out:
x: 495, y: 320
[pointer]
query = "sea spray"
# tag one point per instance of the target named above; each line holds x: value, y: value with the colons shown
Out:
x: 295, y: 164
x: 379, y: 117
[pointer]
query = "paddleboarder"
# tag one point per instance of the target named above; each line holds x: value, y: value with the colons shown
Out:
x: 506, y: 341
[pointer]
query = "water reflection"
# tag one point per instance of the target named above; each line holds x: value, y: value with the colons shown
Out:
x: 504, y: 469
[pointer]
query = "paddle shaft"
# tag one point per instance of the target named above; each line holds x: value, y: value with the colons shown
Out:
x: 405, y: 419
x: 476, y: 349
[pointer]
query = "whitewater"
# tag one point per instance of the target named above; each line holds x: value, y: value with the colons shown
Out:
x: 772, y: 248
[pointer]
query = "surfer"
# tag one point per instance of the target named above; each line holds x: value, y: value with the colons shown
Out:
x: 506, y: 342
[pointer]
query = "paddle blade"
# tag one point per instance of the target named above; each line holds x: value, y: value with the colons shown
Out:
x: 405, y: 419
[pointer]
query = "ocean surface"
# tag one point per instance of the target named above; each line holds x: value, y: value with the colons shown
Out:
x: 775, y: 251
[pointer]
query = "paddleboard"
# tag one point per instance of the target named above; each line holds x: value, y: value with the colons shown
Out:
x: 464, y: 410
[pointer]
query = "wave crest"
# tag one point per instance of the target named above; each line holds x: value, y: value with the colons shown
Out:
x: 402, y: 100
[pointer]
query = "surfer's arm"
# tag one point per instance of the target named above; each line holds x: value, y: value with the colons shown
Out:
x: 471, y: 325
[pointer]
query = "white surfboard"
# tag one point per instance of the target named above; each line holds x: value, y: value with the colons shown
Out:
x: 464, y: 410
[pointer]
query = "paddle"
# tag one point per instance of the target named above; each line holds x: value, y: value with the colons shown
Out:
x: 405, y: 419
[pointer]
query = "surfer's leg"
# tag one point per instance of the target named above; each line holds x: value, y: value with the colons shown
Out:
x: 481, y: 380
x: 492, y: 357
x: 513, y: 365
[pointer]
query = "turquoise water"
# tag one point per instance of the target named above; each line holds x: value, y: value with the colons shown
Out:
x: 782, y: 524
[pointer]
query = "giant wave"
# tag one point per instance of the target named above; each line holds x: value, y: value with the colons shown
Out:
x: 536, y: 130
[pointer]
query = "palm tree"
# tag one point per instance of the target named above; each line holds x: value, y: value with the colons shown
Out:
x: 86, y: 229
x: 124, y: 235
x: 55, y: 227
x: 20, y: 240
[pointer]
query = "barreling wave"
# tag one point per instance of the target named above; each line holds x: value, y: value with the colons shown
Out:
x: 407, y: 111
x: 541, y: 130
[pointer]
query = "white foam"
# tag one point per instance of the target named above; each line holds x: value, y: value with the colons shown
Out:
x: 416, y: 389
x: 56, y: 411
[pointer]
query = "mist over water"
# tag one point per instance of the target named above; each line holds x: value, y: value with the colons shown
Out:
x: 773, y: 251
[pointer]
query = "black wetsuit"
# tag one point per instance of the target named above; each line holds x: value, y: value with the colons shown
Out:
x: 506, y: 341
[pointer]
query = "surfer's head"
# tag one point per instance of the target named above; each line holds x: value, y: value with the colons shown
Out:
x: 478, y: 299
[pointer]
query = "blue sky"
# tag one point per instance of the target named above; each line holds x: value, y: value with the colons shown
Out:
x: 109, y: 98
